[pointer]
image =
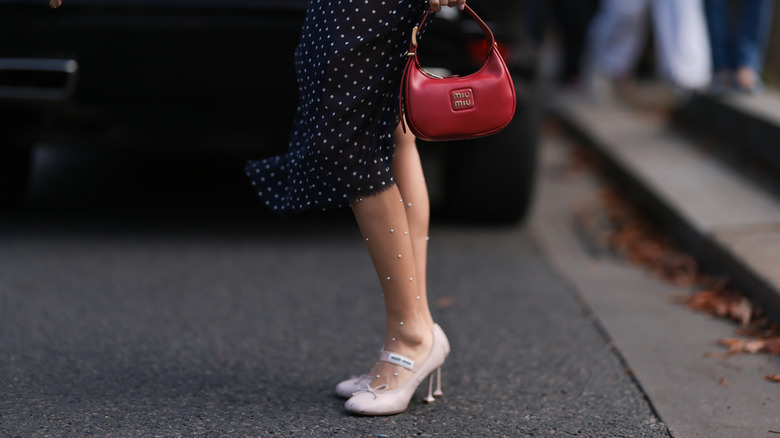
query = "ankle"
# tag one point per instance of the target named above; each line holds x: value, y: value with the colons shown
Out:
x: 746, y: 77
x: 411, y: 338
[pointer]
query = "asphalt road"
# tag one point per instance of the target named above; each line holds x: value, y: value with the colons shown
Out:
x: 135, y: 320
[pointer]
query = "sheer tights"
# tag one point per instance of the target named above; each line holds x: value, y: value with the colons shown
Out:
x: 394, y: 225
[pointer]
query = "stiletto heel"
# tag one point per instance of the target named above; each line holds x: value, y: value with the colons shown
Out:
x: 384, y: 401
x: 429, y: 398
x: 438, y: 392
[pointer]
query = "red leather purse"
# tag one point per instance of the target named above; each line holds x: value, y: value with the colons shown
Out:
x: 457, y: 107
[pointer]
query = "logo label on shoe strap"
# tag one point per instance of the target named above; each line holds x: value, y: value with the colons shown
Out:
x: 397, y: 359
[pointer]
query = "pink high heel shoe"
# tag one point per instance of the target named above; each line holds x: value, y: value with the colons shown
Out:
x: 349, y: 387
x: 381, y: 401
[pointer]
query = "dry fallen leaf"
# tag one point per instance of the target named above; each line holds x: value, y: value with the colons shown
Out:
x: 614, y: 221
x: 773, y: 377
x: 444, y: 302
x: 642, y: 243
x: 722, y: 381
x: 725, y: 304
x: 752, y: 346
x: 743, y: 311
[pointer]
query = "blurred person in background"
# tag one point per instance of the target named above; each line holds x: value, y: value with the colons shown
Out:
x: 346, y: 149
x: 618, y: 34
x: 738, y: 35
x: 570, y: 19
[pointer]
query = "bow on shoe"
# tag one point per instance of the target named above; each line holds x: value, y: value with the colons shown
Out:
x: 373, y: 391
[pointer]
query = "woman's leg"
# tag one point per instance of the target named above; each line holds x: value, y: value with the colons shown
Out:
x: 616, y: 36
x: 717, y: 12
x: 755, y: 21
x: 718, y: 29
x: 414, y: 196
x: 682, y: 44
x: 382, y: 219
x: 408, y: 171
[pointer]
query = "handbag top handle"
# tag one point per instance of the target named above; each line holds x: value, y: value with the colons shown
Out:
x: 491, y: 40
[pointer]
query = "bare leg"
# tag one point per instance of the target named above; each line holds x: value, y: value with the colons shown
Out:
x: 390, y: 235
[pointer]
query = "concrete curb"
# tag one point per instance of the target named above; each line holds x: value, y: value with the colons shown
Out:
x: 749, y: 125
x: 730, y: 226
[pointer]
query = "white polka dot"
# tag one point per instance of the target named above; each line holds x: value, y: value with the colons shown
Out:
x: 328, y: 163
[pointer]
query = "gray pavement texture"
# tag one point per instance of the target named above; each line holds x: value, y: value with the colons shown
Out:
x: 243, y: 329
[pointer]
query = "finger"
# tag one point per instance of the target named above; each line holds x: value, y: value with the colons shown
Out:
x: 435, y: 5
x: 452, y: 3
x: 461, y: 4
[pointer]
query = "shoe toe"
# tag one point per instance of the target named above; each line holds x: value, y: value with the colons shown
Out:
x: 366, y: 403
x: 358, y: 403
x: 346, y: 388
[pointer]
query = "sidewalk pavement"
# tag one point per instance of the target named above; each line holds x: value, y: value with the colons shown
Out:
x: 670, y: 352
x: 730, y: 224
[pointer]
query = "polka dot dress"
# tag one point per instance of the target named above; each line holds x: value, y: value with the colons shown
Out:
x: 348, y: 63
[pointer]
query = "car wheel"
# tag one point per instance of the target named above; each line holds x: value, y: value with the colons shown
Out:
x: 15, y: 159
x: 491, y: 179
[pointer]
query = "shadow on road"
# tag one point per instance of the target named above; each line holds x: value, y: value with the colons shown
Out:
x: 83, y: 190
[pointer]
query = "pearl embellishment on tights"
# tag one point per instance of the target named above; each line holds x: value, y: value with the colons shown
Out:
x: 410, y: 278
x: 399, y: 256
x: 409, y: 204
x: 392, y: 230
x: 393, y: 339
x: 388, y: 277
x: 406, y: 233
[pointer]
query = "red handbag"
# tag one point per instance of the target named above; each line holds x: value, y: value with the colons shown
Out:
x: 457, y: 107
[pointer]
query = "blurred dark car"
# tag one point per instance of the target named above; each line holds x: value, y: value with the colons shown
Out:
x: 216, y: 76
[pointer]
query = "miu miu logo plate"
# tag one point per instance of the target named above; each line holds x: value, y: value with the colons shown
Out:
x: 462, y: 99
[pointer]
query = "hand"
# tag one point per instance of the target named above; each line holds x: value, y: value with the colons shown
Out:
x: 437, y: 4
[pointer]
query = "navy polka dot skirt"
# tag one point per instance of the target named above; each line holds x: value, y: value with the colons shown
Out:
x: 348, y: 63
